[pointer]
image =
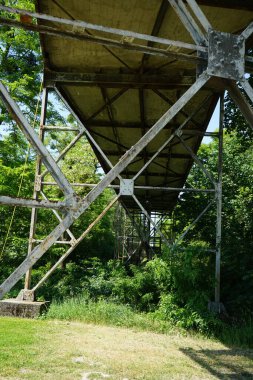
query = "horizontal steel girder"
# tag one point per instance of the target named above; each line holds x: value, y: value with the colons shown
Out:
x: 180, y: 156
x: 23, y: 202
x: 51, y: 78
x: 82, y: 25
x: 101, y: 41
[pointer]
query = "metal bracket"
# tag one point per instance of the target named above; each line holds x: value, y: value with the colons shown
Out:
x: 37, y: 185
x: 178, y: 132
x: 226, y: 55
x: 126, y: 187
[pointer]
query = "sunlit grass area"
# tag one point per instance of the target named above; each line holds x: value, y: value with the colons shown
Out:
x: 40, y: 349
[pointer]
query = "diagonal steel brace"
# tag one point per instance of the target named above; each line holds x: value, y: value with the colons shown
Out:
x: 36, y: 143
x: 188, y: 21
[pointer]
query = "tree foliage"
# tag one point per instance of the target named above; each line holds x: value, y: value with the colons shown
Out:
x: 237, y: 217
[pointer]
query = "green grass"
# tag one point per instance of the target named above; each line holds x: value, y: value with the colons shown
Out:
x: 27, y: 350
x: 60, y: 350
x: 12, y: 338
x: 58, y: 347
x: 240, y: 336
x: 105, y: 313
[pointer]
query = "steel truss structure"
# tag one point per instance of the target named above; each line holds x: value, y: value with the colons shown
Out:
x: 218, y: 55
x: 138, y: 239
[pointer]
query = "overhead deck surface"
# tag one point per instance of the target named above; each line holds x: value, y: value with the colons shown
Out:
x: 119, y: 94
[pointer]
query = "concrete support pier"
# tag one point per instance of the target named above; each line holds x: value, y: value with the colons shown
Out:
x: 22, y: 309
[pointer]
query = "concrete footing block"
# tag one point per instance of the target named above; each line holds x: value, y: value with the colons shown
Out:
x: 22, y: 309
x: 216, y: 308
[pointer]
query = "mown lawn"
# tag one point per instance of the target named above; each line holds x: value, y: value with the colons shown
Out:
x: 37, y: 349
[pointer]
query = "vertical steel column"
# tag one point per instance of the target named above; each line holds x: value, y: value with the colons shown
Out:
x: 219, y: 204
x: 37, y: 186
x: 147, y: 242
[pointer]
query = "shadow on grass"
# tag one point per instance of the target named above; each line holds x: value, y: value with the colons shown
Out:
x: 228, y: 364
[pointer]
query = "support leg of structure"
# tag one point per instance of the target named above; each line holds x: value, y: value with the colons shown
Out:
x: 36, y: 189
x: 219, y: 205
x: 26, y: 293
x: 217, y: 306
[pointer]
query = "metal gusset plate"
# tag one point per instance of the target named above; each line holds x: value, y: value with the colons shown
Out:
x: 226, y: 55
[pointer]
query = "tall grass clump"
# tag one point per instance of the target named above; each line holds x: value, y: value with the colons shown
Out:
x: 237, y: 335
x: 102, y: 312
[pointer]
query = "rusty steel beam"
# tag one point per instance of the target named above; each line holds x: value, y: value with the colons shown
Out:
x: 114, y: 80
x: 127, y: 173
x: 25, y: 202
x: 219, y: 205
x: 188, y: 22
x: 83, y: 25
x: 240, y: 101
x: 53, y: 31
x: 137, y: 187
x: 37, y: 185
x: 247, y: 33
x: 199, y: 14
x: 180, y: 156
